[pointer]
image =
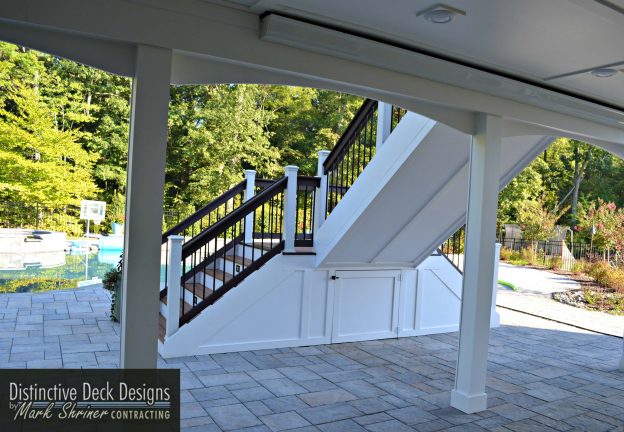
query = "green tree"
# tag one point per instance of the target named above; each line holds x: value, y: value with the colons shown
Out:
x: 536, y: 220
x: 38, y: 162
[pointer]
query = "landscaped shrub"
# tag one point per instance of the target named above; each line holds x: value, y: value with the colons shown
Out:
x: 555, y: 263
x: 607, y: 276
x: 506, y: 253
x: 530, y: 256
x: 579, y: 266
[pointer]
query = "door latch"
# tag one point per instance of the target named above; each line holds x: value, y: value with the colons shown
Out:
x: 334, y: 277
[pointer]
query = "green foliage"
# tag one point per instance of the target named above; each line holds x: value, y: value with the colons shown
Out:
x: 602, y: 223
x: 112, y: 282
x: 536, y: 220
x: 38, y: 161
x: 607, y: 276
x: 35, y: 284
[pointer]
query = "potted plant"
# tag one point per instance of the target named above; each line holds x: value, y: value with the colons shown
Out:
x: 112, y: 282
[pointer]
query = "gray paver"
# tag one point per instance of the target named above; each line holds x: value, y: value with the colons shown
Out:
x: 542, y: 376
x: 284, y: 421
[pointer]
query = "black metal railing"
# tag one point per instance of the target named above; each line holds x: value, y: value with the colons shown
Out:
x: 397, y: 115
x: 352, y: 153
x: 453, y: 248
x: 205, y: 217
x: 304, y: 216
x: 217, y: 259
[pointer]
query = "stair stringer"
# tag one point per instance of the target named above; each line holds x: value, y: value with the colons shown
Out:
x: 282, y: 304
x: 411, y: 197
x: 401, y: 143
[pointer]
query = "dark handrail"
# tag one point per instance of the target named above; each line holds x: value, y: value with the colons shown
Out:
x: 352, y: 129
x: 211, y: 206
x: 210, y: 233
x: 313, y: 181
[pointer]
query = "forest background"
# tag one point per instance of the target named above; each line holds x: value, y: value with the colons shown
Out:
x: 64, y: 138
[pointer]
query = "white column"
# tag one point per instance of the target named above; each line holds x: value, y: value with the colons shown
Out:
x: 384, y: 122
x: 290, y: 208
x: 622, y: 358
x: 320, y: 200
x: 144, y: 207
x: 494, y: 316
x: 250, y: 191
x: 469, y: 392
x: 174, y: 285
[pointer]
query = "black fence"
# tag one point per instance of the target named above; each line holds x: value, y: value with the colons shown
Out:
x: 40, y: 217
x: 559, y: 253
x: 553, y: 253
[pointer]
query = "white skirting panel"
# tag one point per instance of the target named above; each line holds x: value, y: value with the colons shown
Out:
x: 289, y: 303
x: 431, y: 299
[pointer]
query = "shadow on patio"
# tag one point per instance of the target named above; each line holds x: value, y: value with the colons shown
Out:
x: 543, y: 376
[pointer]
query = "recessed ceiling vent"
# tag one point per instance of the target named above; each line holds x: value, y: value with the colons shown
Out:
x: 441, y: 14
x: 604, y: 72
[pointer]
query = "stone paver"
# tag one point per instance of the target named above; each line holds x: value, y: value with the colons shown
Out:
x: 542, y: 375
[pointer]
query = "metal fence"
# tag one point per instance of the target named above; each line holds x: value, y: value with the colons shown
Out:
x: 40, y: 217
x: 552, y: 253
x: 559, y: 252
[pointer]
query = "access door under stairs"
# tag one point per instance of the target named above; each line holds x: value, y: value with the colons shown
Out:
x: 366, y: 305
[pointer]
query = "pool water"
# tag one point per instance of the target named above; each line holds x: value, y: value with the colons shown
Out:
x: 77, y: 267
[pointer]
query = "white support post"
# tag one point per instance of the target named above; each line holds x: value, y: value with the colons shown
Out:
x: 250, y: 191
x: 622, y: 358
x: 384, y: 122
x: 174, y: 286
x: 144, y: 207
x: 320, y: 200
x: 480, y: 245
x: 290, y: 208
x: 495, y: 317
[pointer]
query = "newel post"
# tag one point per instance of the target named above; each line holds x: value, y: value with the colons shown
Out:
x: 384, y: 122
x: 320, y: 201
x: 290, y: 208
x: 250, y: 191
x: 174, y: 285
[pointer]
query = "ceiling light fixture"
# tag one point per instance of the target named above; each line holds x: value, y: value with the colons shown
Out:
x: 603, y: 72
x: 440, y: 14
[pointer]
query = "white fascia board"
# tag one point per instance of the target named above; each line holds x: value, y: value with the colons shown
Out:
x: 109, y: 56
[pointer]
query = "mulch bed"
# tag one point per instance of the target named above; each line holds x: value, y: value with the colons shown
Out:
x: 592, y: 295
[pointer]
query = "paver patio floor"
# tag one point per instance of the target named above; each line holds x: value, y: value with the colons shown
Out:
x: 543, y: 376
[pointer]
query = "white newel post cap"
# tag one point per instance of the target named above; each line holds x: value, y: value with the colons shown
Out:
x: 322, y: 154
x: 250, y: 173
x: 289, y: 169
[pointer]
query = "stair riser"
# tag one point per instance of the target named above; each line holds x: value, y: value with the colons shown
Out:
x: 207, y: 281
x: 229, y: 266
x: 248, y: 250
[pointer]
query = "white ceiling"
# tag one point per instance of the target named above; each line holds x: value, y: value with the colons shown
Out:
x: 532, y: 39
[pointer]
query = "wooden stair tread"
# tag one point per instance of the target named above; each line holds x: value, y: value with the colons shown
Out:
x: 198, y: 289
x: 219, y: 274
x: 162, y: 327
x: 238, y: 259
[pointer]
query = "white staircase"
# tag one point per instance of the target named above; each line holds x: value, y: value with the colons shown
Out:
x: 371, y: 273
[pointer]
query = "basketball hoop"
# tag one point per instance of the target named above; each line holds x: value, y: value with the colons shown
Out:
x: 92, y: 211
